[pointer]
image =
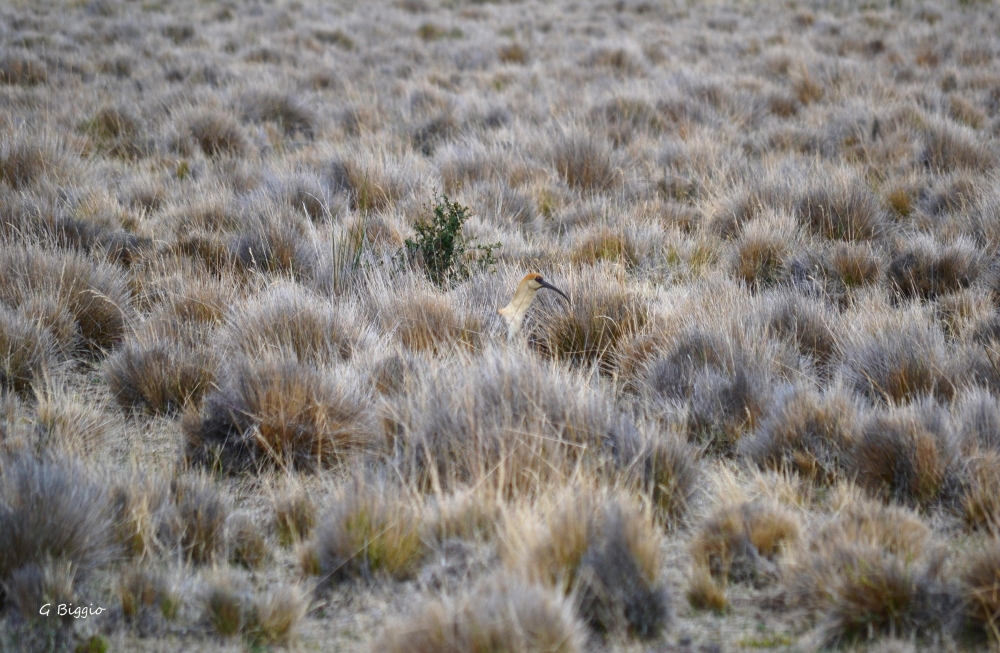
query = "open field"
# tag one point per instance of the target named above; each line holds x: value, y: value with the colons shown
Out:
x: 255, y: 393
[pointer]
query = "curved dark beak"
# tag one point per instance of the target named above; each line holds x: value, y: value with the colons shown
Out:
x: 546, y: 284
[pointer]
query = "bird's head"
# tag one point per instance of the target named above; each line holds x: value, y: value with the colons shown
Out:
x: 534, y: 281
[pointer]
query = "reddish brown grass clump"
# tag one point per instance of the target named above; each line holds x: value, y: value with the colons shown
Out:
x: 167, y: 367
x: 806, y: 432
x: 906, y: 455
x: 283, y: 413
x: 742, y: 542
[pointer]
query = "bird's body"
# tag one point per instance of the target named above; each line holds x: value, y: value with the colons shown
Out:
x: 514, y: 312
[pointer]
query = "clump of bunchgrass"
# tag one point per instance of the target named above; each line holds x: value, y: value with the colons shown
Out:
x: 981, y: 590
x: 725, y: 395
x: 604, y: 554
x: 294, y: 516
x: 906, y: 455
x: 368, y: 532
x: 855, y: 264
x: 291, y: 323
x: 666, y: 473
x: 926, y: 269
x: 143, y: 591
x: 200, y: 513
x: 287, y: 111
x: 52, y: 510
x: 28, y: 352
x: 426, y: 322
x: 218, y: 135
x: 95, y: 295
x: 900, y: 365
x: 275, y: 616
x: 65, y: 421
x: 870, y: 572
x: 165, y: 368
x: 742, y: 543
x: 280, y: 413
x: 763, y: 250
x: 848, y: 212
x: 585, y: 164
x: 501, y: 614
x: 592, y: 329
x: 225, y: 603
x: 807, y: 325
x: 248, y: 545
x: 509, y: 422
x: 809, y: 433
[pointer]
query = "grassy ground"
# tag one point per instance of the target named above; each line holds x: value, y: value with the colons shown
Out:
x: 253, y: 396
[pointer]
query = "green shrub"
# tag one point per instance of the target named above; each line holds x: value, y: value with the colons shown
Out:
x: 441, y: 249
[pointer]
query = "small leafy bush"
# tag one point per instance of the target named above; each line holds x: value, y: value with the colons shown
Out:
x: 442, y: 250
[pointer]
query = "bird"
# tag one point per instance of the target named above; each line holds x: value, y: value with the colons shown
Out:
x: 513, y: 313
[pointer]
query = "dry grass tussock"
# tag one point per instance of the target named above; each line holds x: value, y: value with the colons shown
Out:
x: 601, y: 552
x: 873, y: 571
x: 255, y: 391
x: 500, y: 614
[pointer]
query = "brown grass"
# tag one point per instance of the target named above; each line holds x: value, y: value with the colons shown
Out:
x: 368, y: 532
x: 280, y: 413
x: 806, y: 432
x: 294, y: 516
x: 163, y: 370
x: 218, y: 135
x: 200, y: 518
x: 842, y: 213
x: 928, y: 270
x: 855, y: 265
x: 427, y: 322
x: 762, y: 254
x: 606, y: 555
x: 584, y: 164
x: 94, y: 294
x: 741, y: 543
x: 144, y: 591
x: 276, y: 615
x: 248, y: 545
x: 902, y: 365
x: 499, y: 615
x: 593, y: 328
x: 869, y: 571
x: 981, y: 590
x: 54, y: 511
x: 666, y: 472
x: 905, y: 455
x: 28, y: 352
x: 509, y: 423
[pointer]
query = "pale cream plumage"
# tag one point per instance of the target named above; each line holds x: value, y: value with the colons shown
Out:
x: 514, y: 312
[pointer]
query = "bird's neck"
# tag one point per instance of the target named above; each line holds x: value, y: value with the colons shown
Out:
x: 515, y: 310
